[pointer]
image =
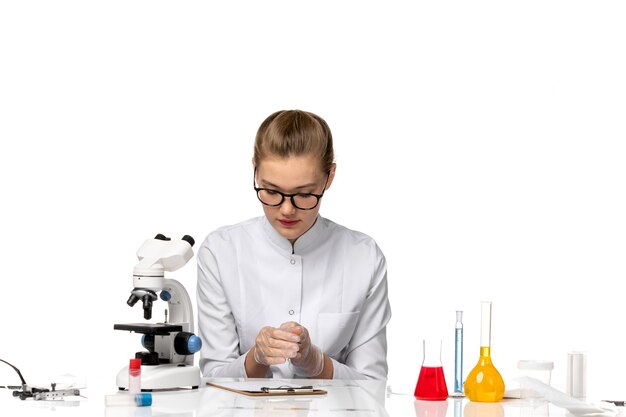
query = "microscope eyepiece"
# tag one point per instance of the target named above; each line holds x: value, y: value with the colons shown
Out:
x: 189, y: 240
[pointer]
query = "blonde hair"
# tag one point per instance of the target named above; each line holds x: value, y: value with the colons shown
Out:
x: 288, y: 133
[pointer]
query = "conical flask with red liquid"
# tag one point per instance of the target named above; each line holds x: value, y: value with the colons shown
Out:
x: 431, y: 383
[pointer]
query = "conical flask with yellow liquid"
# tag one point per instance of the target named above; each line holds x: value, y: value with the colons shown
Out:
x: 484, y: 383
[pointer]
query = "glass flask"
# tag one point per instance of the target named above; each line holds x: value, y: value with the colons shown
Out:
x: 484, y: 383
x: 431, y: 383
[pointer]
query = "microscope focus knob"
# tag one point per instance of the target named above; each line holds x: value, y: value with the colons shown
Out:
x: 186, y: 343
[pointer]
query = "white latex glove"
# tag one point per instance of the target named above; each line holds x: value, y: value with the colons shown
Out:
x: 310, y: 359
x: 274, y: 346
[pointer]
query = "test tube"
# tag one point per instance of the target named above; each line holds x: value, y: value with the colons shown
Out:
x: 458, y: 353
x: 134, y: 376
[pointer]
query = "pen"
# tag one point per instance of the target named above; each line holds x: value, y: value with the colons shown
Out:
x: 306, y: 388
x: 617, y: 403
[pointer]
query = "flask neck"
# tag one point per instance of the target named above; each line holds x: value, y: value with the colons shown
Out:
x: 432, y: 353
x: 485, y: 325
x: 485, y: 351
x: 485, y: 356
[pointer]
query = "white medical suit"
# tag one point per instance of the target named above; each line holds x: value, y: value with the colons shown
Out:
x: 333, y: 281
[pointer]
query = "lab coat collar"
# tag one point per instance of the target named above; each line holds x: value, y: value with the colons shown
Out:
x: 303, y: 243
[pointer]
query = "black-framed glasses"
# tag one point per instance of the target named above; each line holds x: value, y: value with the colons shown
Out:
x: 274, y: 198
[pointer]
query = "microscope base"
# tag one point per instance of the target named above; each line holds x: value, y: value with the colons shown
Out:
x: 163, y: 377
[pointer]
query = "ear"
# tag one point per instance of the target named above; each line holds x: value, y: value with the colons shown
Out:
x: 331, y: 175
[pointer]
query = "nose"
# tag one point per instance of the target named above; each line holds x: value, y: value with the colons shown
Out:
x: 287, y: 208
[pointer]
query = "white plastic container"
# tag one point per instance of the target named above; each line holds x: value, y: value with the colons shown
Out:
x: 538, y: 369
x: 143, y: 399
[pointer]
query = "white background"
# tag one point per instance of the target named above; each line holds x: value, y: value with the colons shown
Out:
x: 480, y: 143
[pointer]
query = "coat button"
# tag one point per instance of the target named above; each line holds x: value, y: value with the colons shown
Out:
x: 293, y: 261
x: 291, y: 312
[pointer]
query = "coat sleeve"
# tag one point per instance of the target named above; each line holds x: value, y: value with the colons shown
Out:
x: 219, y: 355
x: 367, y: 350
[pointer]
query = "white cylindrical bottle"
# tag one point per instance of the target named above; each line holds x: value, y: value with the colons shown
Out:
x: 576, y: 382
x: 134, y: 376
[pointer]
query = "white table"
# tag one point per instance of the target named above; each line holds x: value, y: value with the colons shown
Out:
x: 344, y: 398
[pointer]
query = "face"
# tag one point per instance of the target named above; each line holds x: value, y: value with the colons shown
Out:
x: 296, y: 174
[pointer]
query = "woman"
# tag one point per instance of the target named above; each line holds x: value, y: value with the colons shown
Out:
x: 292, y: 294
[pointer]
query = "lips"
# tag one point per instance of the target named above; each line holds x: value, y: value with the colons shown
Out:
x: 288, y: 223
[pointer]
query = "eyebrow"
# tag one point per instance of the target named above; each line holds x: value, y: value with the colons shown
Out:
x: 269, y: 184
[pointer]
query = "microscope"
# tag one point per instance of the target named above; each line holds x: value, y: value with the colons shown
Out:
x: 167, y: 362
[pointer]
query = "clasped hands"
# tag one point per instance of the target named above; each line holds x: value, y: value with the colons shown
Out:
x: 291, y: 341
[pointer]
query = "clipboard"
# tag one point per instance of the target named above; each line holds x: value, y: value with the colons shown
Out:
x: 267, y: 390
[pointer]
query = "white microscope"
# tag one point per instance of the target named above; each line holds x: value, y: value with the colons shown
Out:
x: 168, y: 361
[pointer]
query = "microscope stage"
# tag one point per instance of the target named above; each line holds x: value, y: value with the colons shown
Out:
x: 150, y: 328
